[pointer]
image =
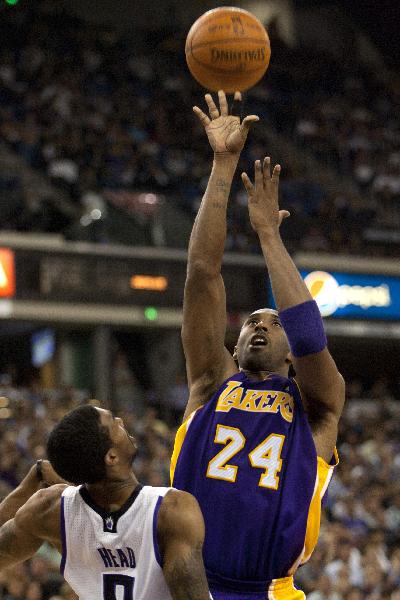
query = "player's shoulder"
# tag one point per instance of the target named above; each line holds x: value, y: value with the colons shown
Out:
x: 45, y: 498
x: 179, y: 510
x: 41, y: 509
x: 178, y: 500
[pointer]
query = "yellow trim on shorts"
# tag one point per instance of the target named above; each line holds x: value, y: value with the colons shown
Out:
x: 324, y: 475
x: 283, y: 589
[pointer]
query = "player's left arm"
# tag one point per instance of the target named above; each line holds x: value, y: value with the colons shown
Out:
x: 35, y: 522
x: 180, y: 532
x: 321, y: 385
x: 40, y: 475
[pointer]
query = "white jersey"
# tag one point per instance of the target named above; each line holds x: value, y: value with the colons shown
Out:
x: 112, y: 556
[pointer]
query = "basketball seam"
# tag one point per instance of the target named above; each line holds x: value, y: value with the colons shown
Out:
x: 229, y: 41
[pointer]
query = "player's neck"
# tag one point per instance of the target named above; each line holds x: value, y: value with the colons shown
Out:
x: 261, y: 375
x: 111, y: 494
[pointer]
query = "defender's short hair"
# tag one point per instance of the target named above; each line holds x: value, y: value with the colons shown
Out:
x: 77, y: 446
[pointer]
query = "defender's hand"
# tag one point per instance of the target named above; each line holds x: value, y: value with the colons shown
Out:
x: 264, y: 212
x: 225, y: 132
x: 50, y: 477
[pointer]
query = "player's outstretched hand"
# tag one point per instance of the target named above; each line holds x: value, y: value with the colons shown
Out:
x: 264, y: 212
x: 227, y: 135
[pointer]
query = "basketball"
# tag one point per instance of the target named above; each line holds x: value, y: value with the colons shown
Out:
x: 227, y: 49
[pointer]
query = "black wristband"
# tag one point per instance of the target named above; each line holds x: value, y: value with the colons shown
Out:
x: 39, y: 470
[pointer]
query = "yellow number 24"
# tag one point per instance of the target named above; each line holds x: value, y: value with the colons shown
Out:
x: 266, y: 456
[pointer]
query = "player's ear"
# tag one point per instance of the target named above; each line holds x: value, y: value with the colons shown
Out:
x: 111, y: 458
x: 289, y: 362
x: 234, y: 356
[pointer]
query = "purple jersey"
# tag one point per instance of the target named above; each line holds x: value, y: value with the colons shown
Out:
x: 249, y: 458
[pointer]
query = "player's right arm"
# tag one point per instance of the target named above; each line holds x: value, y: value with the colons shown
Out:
x: 38, y: 520
x: 180, y: 533
x: 321, y: 384
x: 208, y: 362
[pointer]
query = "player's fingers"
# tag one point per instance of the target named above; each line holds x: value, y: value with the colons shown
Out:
x: 223, y: 104
x: 275, y: 174
x: 258, y: 174
x: 266, y: 170
x: 247, y: 183
x: 248, y: 121
x: 214, y: 112
x: 201, y: 116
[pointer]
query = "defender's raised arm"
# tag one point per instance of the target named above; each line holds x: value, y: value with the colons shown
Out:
x: 204, y: 308
x: 23, y: 512
x: 36, y: 521
x: 39, y: 475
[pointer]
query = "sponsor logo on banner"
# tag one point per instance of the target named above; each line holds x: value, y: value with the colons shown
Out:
x: 330, y: 295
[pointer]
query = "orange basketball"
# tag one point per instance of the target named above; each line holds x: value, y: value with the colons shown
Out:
x: 227, y: 49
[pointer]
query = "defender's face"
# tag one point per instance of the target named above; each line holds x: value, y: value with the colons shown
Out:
x: 262, y: 343
x: 122, y: 441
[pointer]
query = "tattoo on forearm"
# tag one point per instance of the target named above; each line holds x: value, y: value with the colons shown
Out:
x: 222, y: 186
x: 186, y: 579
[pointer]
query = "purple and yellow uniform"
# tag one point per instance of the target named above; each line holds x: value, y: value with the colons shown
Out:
x: 249, y: 458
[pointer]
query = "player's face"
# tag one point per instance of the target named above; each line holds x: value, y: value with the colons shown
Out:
x: 262, y: 343
x: 122, y: 441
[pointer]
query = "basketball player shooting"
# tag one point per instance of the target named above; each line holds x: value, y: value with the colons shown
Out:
x: 257, y: 446
x: 117, y: 538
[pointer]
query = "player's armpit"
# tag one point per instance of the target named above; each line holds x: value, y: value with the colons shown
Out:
x: 202, y: 389
x: 320, y: 382
x: 180, y: 535
x: 323, y: 393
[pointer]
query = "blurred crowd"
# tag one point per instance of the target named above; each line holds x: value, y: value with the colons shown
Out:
x: 358, y: 554
x: 104, y: 118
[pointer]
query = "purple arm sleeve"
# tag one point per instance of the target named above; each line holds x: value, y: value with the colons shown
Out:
x: 304, y: 328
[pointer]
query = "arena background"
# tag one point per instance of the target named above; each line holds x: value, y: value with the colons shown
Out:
x: 102, y: 167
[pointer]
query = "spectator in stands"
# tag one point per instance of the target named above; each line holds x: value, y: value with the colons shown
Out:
x: 358, y: 553
x: 67, y: 110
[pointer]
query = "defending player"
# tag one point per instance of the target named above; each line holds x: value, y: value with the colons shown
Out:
x: 257, y: 447
x: 117, y: 538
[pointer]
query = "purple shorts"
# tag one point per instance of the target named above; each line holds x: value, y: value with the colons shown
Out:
x: 217, y: 595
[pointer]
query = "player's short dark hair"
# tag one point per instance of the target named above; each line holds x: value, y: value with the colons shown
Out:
x: 77, y: 446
